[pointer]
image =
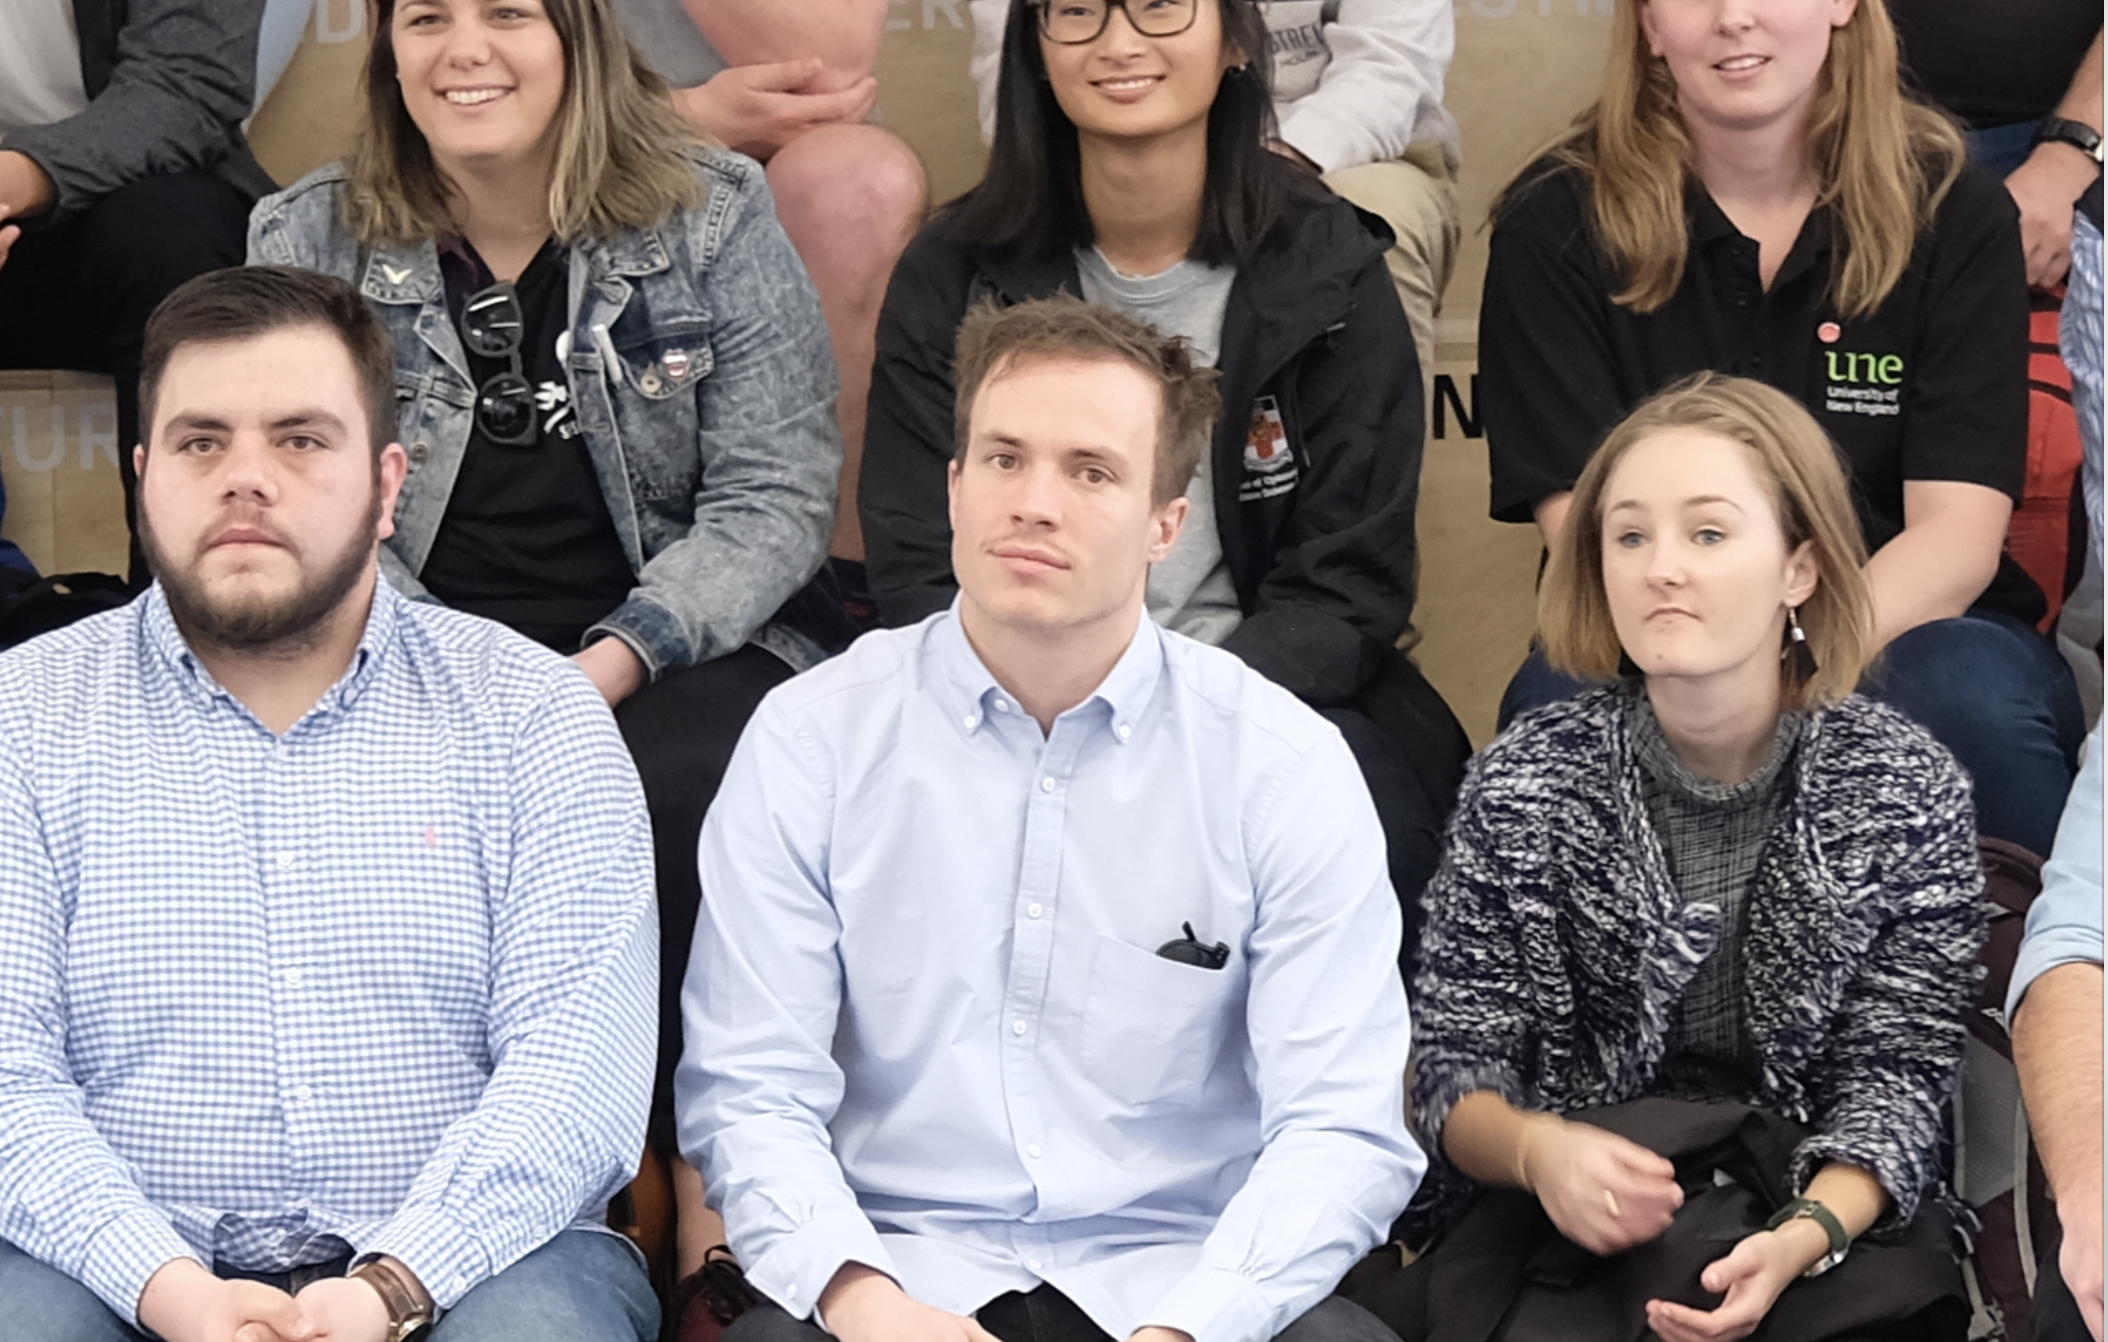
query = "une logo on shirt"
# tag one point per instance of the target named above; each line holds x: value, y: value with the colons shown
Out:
x: 1863, y: 384
x: 1848, y: 368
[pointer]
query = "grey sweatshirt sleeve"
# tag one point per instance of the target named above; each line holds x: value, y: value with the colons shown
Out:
x: 182, y: 81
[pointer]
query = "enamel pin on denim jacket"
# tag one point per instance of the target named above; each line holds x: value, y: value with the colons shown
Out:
x: 703, y: 380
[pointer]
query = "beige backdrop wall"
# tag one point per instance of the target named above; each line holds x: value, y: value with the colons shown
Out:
x: 1522, y: 68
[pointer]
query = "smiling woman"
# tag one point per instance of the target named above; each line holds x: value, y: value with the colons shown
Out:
x: 615, y: 387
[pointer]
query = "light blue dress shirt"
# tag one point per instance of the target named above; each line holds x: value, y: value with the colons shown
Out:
x: 2064, y: 922
x: 384, y: 984
x: 928, y: 1030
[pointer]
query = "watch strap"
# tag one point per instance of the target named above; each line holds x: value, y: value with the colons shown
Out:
x: 2077, y: 134
x: 1833, y: 1229
x: 407, y: 1314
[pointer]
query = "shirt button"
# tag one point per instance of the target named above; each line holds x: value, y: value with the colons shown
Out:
x: 971, y: 721
x: 460, y: 1284
x: 286, y: 861
x: 1123, y: 731
x: 294, y: 978
x: 1017, y: 1027
x: 1046, y: 785
x: 1033, y: 910
x: 1002, y: 705
x: 1033, y: 1151
x: 303, y: 1093
x: 1032, y: 1263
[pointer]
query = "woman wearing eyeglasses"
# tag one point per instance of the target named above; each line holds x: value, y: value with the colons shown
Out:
x: 1130, y: 167
x: 614, y: 383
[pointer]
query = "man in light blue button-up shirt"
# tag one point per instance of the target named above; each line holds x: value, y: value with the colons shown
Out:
x: 1047, y: 966
x: 327, y: 935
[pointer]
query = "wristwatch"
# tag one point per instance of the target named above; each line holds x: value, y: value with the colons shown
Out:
x: 1810, y: 1209
x: 410, y: 1310
x: 2077, y: 134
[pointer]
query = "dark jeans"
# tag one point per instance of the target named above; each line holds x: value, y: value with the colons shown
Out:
x: 77, y: 294
x: 680, y: 731
x: 1044, y: 1314
x: 2002, y: 148
x: 1988, y: 687
x: 580, y: 1285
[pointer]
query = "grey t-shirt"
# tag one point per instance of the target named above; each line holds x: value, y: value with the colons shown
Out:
x: 676, y: 48
x: 1191, y: 591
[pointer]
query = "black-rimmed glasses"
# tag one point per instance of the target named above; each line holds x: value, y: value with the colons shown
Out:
x: 1074, y: 22
x: 492, y: 326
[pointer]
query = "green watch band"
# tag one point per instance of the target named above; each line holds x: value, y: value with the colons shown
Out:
x: 1812, y: 1210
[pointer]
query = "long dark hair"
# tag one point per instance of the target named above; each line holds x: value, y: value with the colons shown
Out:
x: 1031, y: 199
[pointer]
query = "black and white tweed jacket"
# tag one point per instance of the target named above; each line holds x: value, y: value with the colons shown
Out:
x: 1557, y: 945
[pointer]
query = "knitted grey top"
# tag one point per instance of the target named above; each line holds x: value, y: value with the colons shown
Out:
x: 1558, y: 945
x: 1713, y: 835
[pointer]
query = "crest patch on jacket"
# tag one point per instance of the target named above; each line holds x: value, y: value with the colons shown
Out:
x: 1269, y: 463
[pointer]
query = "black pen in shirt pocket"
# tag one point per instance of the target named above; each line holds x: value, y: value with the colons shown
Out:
x: 1188, y: 950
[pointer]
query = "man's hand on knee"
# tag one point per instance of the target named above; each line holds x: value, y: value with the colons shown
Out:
x: 862, y: 1304
x: 758, y: 109
x: 185, y: 1303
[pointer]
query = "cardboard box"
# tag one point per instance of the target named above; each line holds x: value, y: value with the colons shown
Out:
x: 58, y: 459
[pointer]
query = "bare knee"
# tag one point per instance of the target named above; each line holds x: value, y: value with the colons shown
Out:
x: 848, y: 191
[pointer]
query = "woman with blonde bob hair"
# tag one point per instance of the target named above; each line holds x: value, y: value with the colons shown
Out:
x: 615, y: 386
x: 1797, y: 466
x: 1723, y: 878
x: 1754, y: 193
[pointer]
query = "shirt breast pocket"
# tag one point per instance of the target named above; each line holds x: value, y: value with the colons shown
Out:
x: 1152, y: 1027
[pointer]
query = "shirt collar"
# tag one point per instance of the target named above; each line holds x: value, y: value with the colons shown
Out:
x: 1710, y: 224
x: 174, y: 650
x: 973, y: 692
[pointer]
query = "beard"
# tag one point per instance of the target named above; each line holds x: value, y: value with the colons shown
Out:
x: 256, y: 626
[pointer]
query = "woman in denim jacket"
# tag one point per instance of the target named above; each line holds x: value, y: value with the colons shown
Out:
x: 615, y: 385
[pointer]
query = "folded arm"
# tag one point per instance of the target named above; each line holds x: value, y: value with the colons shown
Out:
x: 1327, y: 1020
x: 758, y: 1084
x: 572, y: 1015
x: 1385, y: 77
x: 769, y: 448
x: 184, y: 78
x: 66, y: 1197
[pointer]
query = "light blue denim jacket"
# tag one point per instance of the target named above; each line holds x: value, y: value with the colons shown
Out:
x: 701, y: 375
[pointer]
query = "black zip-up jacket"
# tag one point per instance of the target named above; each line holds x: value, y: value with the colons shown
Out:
x: 1319, y: 540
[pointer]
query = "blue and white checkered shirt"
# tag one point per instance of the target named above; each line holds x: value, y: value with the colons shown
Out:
x: 2080, y: 338
x: 384, y: 984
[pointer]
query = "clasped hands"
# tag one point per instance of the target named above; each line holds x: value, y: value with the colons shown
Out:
x: 1606, y: 1194
x: 185, y: 1303
x: 862, y: 1304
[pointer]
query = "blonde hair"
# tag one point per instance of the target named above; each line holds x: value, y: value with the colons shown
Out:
x: 1881, y: 159
x: 624, y: 158
x: 1799, y: 468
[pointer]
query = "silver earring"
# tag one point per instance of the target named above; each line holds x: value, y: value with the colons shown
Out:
x: 1797, y: 654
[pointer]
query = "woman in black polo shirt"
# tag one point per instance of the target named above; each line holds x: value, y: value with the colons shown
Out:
x: 1752, y: 193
